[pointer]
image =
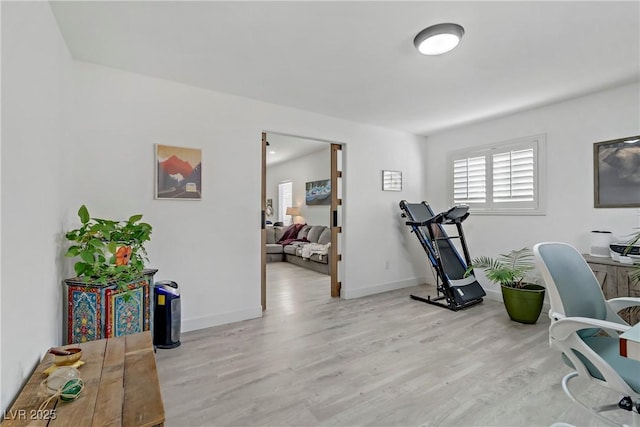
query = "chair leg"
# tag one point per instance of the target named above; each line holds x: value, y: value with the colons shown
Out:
x: 596, y: 410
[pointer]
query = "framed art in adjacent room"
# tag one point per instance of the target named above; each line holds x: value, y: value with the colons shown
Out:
x: 616, y: 174
x: 391, y: 180
x: 269, y: 209
x: 318, y: 192
x: 178, y: 173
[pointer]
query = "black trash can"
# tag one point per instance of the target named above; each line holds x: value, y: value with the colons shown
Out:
x: 166, y: 315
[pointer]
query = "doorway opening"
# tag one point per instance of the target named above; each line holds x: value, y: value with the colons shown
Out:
x: 312, y: 170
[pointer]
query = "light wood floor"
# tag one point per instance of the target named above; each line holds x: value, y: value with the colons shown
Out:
x: 382, y: 360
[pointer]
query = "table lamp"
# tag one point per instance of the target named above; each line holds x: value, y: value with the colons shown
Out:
x: 293, y: 211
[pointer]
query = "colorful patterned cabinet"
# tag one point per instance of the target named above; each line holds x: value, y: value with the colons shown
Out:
x: 95, y: 311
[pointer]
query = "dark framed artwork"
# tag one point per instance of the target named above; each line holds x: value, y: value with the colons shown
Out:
x: 178, y: 173
x: 318, y: 192
x: 616, y: 173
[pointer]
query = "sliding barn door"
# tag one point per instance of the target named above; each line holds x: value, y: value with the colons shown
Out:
x: 336, y: 216
x: 263, y: 231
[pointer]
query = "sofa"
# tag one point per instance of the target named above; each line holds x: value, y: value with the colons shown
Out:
x: 300, y: 244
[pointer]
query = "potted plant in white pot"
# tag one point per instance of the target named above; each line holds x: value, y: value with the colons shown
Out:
x: 522, y: 299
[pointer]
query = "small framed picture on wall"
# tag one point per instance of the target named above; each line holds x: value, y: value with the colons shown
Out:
x: 318, y: 192
x: 178, y: 173
x: 391, y: 180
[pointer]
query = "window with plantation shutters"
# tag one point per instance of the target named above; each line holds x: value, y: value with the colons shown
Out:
x: 502, y: 178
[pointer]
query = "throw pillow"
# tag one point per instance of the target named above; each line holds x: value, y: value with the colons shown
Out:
x: 325, y: 237
x: 302, y: 234
x: 315, y: 232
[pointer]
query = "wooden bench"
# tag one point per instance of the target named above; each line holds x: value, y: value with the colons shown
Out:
x: 121, y: 388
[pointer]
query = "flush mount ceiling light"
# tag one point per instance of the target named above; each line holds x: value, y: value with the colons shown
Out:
x: 438, y: 39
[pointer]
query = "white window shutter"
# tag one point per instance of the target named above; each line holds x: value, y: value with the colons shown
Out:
x: 469, y: 180
x: 285, y: 199
x: 513, y: 176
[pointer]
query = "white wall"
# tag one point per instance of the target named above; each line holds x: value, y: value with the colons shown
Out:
x: 381, y: 252
x: 35, y: 88
x: 211, y: 248
x: 312, y: 167
x: 571, y: 128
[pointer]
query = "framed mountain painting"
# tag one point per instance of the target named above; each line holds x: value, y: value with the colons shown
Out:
x: 178, y: 173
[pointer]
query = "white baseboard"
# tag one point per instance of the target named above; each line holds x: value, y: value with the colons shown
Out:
x: 219, y: 319
x: 385, y: 287
x: 493, y: 295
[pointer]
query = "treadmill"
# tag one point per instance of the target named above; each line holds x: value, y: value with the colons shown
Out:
x: 455, y: 288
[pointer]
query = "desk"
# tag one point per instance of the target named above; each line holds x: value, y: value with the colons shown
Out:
x: 121, y: 388
x: 630, y: 343
x: 615, y: 280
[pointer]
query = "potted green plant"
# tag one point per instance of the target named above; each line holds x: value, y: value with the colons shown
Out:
x: 109, y: 251
x: 523, y: 300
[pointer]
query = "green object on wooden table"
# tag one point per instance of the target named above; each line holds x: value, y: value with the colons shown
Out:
x: 71, y: 390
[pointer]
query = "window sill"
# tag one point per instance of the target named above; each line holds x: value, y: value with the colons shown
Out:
x: 511, y: 212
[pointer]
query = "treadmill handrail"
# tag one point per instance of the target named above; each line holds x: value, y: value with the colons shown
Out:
x: 419, y: 223
x: 436, y: 219
x: 461, y: 213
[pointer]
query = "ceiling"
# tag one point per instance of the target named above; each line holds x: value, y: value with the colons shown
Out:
x: 356, y: 60
x: 283, y: 148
